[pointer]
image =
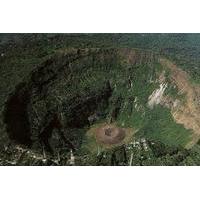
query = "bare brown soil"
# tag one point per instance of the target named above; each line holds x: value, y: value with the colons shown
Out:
x: 187, y: 113
x: 109, y: 134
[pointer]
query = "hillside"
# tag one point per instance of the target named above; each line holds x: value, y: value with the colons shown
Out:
x: 81, y: 105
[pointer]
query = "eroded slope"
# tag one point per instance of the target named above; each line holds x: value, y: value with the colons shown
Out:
x: 188, y: 112
x: 62, y: 99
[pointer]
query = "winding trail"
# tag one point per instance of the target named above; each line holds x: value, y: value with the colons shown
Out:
x: 187, y: 113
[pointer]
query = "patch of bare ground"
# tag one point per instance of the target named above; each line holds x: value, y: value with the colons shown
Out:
x: 110, y: 135
x: 187, y: 112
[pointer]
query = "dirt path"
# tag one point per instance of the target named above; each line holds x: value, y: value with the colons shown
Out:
x: 188, y: 113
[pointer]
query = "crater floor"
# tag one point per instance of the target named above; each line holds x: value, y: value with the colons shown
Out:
x: 110, y: 135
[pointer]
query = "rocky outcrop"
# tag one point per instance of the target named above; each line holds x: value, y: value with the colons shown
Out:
x: 156, y: 97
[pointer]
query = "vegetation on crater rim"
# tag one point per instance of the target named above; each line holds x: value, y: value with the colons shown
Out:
x: 132, y: 77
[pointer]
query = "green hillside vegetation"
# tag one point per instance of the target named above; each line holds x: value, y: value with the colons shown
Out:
x: 85, y: 79
x: 160, y: 126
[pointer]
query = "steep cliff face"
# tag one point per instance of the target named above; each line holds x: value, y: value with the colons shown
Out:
x: 74, y: 90
x: 73, y: 85
x: 185, y: 112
